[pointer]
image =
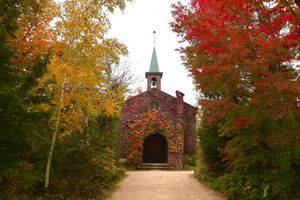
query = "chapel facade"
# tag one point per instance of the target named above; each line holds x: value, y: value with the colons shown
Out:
x: 155, y: 126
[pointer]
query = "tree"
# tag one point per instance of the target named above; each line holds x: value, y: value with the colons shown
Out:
x: 78, y: 77
x: 242, y: 55
x: 19, y: 171
x: 34, y: 37
x: 48, y: 52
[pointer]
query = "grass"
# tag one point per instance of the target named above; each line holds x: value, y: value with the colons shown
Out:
x: 187, y: 167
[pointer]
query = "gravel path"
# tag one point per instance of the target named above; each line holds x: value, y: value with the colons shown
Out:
x: 163, y: 185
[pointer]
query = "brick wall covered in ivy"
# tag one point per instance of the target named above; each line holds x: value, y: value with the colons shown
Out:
x: 153, y: 112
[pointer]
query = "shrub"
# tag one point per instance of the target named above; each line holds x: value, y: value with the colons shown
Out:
x: 87, y: 164
x: 189, y: 160
x: 259, y: 164
x: 211, y: 146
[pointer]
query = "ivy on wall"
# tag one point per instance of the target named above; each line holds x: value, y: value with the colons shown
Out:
x: 149, y: 123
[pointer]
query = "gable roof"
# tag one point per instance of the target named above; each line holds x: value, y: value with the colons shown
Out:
x: 155, y: 92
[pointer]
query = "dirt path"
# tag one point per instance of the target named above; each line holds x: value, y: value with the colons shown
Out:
x: 163, y: 185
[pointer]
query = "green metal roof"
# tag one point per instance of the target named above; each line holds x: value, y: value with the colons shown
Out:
x: 154, y: 63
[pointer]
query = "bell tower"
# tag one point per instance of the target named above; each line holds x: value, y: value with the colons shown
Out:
x: 154, y: 75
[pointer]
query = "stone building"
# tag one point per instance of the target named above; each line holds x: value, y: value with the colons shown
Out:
x: 155, y: 126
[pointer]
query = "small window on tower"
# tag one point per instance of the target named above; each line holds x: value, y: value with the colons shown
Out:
x: 154, y: 105
x: 153, y: 82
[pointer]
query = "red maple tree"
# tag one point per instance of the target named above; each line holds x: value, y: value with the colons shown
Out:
x: 242, y: 55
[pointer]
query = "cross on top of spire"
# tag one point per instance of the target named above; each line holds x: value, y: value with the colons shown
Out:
x: 154, y: 32
x: 154, y: 62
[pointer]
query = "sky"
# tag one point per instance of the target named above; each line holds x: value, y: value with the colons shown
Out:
x: 134, y: 27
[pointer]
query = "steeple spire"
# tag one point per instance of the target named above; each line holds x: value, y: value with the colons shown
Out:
x: 154, y: 62
x: 154, y: 75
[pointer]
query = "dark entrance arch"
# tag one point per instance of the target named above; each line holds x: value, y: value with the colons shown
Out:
x: 155, y: 149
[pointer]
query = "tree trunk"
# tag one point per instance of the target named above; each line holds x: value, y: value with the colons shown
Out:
x: 50, y: 156
x: 51, y: 152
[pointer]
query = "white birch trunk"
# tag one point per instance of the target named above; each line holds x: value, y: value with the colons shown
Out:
x: 50, y: 156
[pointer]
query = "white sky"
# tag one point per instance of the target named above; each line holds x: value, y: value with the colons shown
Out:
x: 134, y: 28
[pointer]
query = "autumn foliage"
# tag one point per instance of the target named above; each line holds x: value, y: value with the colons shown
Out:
x: 244, y: 57
x: 59, y: 88
x: 242, y: 52
x: 34, y: 37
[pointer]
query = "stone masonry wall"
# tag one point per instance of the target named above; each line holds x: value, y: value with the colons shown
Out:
x: 168, y: 106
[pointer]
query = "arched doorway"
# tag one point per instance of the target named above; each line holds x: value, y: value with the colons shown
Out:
x: 155, y: 149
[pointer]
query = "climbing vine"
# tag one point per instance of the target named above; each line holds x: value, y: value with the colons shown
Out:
x: 149, y: 123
